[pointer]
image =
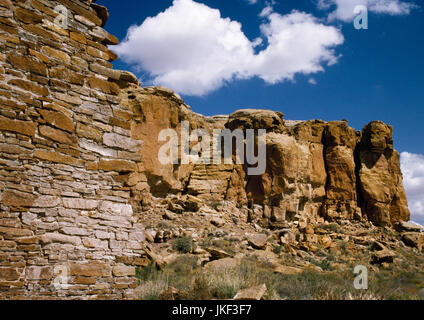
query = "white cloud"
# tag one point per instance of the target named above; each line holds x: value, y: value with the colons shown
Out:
x: 344, y: 9
x: 192, y: 49
x: 413, y: 174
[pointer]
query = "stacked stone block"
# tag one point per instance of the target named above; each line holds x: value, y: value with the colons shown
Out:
x: 66, y: 152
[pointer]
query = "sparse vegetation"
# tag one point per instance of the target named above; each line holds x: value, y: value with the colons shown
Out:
x: 277, y: 249
x: 183, y: 244
x: 195, y: 282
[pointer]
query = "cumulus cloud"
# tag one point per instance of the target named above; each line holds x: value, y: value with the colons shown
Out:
x: 413, y: 174
x: 192, y: 49
x: 344, y: 9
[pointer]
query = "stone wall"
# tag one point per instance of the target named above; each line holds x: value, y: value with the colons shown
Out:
x: 65, y: 153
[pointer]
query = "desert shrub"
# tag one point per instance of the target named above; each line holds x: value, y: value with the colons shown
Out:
x: 332, y: 227
x: 147, y: 272
x: 325, y: 265
x: 151, y: 289
x: 183, y: 264
x: 163, y: 226
x: 225, y: 245
x: 197, y: 283
x: 277, y: 249
x: 183, y: 244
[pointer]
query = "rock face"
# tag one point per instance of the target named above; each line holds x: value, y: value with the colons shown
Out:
x: 314, y: 169
x: 79, y: 161
x: 381, y: 185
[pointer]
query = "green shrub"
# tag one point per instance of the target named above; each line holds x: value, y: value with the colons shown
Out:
x: 325, y: 265
x: 277, y: 249
x: 183, y: 244
x: 146, y: 273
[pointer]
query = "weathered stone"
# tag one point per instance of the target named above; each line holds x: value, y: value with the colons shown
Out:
x: 68, y: 98
x: 39, y: 273
x: 58, y: 135
x: 380, y: 176
x: 27, y: 64
x: 102, y: 13
x: 46, y: 202
x: 13, y: 198
x: 27, y: 16
x: 104, y: 86
x: 217, y: 254
x: 73, y: 231
x: 79, y: 37
x: 67, y: 75
x: 9, y: 274
x: 217, y: 222
x: 57, y: 157
x: 123, y: 271
x: 59, y: 238
x: 30, y: 86
x: 14, y: 232
x: 57, y: 119
x: 287, y: 270
x: 91, y: 269
x: 117, y: 165
x: 98, y: 53
x: 79, y: 203
x: 116, y: 208
x: 56, y: 54
x: 23, y: 127
x: 383, y: 256
x: 168, y: 215
x: 223, y: 264
x: 12, y: 149
x: 254, y: 293
x: 122, y: 142
x: 108, y: 72
x: 409, y: 226
x: 95, y: 243
x: 89, y: 132
x: 414, y: 239
x: 107, y: 152
x: 258, y: 241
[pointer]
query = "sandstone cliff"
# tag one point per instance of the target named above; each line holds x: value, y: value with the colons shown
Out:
x: 79, y: 161
x: 314, y: 169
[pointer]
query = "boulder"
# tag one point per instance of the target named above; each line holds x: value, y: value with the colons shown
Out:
x: 383, y: 256
x: 409, y: 227
x: 225, y: 263
x: 258, y: 241
x: 217, y: 222
x: 287, y: 270
x: 254, y: 293
x: 217, y: 254
x: 169, y: 294
x: 413, y: 239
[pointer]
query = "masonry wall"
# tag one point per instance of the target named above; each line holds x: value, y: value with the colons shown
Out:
x: 65, y: 156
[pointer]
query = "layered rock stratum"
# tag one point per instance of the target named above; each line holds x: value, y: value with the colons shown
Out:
x: 80, y: 175
x: 314, y: 168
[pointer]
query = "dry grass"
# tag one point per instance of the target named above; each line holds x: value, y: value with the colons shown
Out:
x: 197, y: 283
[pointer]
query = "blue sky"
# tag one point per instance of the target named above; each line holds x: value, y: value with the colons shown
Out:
x: 337, y: 73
